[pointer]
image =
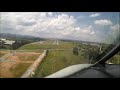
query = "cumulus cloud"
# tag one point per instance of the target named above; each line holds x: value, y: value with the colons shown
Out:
x: 115, y: 30
x: 45, y: 24
x: 103, y: 22
x: 115, y: 27
x: 27, y: 22
x: 85, y: 33
x: 94, y: 15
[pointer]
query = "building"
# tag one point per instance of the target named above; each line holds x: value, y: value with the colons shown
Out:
x: 7, y: 42
x: 2, y: 39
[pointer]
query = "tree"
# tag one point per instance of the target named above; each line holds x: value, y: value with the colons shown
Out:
x: 91, y: 53
x: 16, y: 44
x: 76, y: 51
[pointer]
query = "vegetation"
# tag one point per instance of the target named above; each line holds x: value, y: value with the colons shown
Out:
x: 32, y: 57
x: 57, y: 60
x: 20, y: 69
x: 17, y: 44
x: 19, y: 40
x: 62, y: 45
x: 92, y: 53
x: 75, y: 51
x: 7, y: 47
x: 1, y: 54
x: 88, y: 51
x: 115, y: 59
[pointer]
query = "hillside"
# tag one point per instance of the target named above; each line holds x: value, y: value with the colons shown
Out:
x: 19, y: 37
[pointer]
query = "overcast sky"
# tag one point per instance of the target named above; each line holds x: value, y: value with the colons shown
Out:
x: 88, y: 26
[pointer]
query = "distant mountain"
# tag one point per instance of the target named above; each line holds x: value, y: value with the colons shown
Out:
x: 28, y: 37
x: 18, y: 36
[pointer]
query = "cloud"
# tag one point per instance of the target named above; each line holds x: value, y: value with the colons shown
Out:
x: 45, y: 24
x: 85, y: 30
x: 92, y: 33
x: 27, y: 22
x: 81, y: 17
x: 103, y: 22
x: 115, y: 27
x: 94, y: 15
x: 115, y: 30
x: 85, y: 33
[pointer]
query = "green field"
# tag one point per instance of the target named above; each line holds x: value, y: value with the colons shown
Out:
x: 57, y: 60
x: 50, y: 45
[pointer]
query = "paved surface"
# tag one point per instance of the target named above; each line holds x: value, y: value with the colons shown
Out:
x: 56, y: 42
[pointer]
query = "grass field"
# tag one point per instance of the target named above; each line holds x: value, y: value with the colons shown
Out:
x: 20, y: 69
x: 50, y: 45
x: 57, y: 60
x: 30, y: 57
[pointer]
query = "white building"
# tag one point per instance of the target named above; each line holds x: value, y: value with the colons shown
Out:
x: 2, y: 39
x: 8, y: 42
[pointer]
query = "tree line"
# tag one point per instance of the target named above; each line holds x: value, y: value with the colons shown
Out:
x: 15, y: 45
x: 18, y: 44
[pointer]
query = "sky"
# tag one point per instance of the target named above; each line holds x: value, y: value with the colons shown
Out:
x: 86, y: 26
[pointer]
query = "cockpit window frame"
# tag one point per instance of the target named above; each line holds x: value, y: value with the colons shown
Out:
x: 111, y: 53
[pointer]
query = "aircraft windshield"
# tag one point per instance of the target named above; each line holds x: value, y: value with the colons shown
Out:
x: 55, y: 40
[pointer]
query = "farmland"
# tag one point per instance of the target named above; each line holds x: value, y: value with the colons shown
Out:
x: 15, y: 65
x: 2, y: 53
